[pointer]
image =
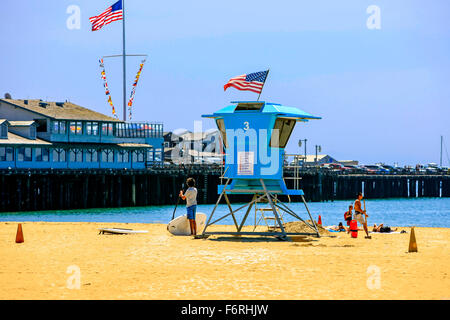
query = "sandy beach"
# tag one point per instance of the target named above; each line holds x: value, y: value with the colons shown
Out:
x: 158, y: 265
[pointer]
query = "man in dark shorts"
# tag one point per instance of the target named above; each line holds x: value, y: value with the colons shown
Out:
x: 383, y: 229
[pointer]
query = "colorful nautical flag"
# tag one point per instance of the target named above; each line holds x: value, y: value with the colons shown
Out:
x: 105, y: 84
x: 252, y: 82
x: 133, y: 91
x: 113, y: 13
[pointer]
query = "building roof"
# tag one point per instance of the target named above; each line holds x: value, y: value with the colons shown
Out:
x: 59, y: 110
x: 312, y: 157
x: 134, y: 145
x: 21, y: 123
x: 204, y: 154
x: 194, y: 136
x: 14, y: 139
x: 3, y: 121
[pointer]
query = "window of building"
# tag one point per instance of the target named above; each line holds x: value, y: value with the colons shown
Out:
x: 6, y: 154
x: 120, y: 130
x: 150, y: 155
x: 107, y: 129
x: 91, y: 155
x: 138, y: 156
x: 92, y: 128
x: 158, y: 154
x: 59, y: 127
x: 42, y: 154
x: 33, y: 132
x: 249, y: 106
x: 59, y: 155
x: 76, y: 127
x: 107, y: 155
x: 24, y: 154
x: 123, y: 156
x: 41, y: 125
x: 76, y: 155
x: 284, y: 127
x: 140, y: 130
x: 4, y: 131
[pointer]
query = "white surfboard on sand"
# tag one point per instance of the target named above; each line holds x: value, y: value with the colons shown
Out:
x: 120, y: 231
x: 180, y: 225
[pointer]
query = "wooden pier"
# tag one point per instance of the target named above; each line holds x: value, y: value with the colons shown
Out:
x: 50, y: 189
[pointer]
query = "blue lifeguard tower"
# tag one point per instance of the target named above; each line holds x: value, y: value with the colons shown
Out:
x: 254, y: 135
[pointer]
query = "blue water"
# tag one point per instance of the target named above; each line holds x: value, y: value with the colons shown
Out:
x: 423, y: 212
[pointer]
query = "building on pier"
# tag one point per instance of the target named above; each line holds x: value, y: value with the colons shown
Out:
x: 311, y: 159
x: 61, y: 135
x: 183, y: 146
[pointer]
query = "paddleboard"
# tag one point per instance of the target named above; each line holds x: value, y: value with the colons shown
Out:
x: 120, y: 231
x: 180, y: 225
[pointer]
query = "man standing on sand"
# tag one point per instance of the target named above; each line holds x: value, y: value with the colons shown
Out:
x: 361, y: 215
x: 191, y: 204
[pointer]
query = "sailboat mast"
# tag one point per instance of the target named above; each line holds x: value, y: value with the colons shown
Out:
x: 440, y: 163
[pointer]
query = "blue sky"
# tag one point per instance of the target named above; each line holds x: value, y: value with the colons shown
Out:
x: 383, y: 94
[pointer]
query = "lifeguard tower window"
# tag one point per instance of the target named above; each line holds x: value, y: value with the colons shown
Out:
x: 245, y: 106
x: 221, y: 126
x: 285, y: 127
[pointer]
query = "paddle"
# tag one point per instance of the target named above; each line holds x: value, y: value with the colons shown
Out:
x: 364, y: 201
x: 178, y: 201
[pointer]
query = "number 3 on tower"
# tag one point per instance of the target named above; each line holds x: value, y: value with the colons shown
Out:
x: 246, y: 125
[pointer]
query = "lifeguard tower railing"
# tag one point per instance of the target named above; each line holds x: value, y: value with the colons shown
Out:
x: 297, y: 164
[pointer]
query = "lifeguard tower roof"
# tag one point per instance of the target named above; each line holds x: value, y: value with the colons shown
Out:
x: 263, y: 107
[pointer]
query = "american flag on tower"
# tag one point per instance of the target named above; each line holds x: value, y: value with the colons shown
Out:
x: 113, y: 13
x: 252, y: 82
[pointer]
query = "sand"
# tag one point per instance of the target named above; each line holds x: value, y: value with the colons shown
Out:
x: 157, y: 265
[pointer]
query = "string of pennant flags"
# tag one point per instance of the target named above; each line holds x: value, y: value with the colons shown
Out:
x: 105, y: 85
x: 133, y: 91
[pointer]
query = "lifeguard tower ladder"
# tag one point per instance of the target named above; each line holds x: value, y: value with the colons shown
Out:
x: 254, y: 135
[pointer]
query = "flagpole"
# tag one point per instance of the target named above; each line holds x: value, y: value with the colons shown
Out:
x: 267, y: 74
x: 124, y: 64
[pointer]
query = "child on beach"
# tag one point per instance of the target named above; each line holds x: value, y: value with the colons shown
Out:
x: 348, y: 216
x: 191, y: 203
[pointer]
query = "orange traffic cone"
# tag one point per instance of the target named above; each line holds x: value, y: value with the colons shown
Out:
x: 412, y: 242
x: 319, y: 222
x: 19, y: 235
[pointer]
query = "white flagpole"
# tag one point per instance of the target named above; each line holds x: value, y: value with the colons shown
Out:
x: 124, y: 64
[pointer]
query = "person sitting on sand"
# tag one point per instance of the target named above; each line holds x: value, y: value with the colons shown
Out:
x: 191, y: 204
x: 361, y: 215
x: 339, y: 228
x: 383, y: 228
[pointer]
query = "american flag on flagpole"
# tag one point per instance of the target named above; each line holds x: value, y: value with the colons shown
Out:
x: 113, y: 13
x: 252, y: 82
